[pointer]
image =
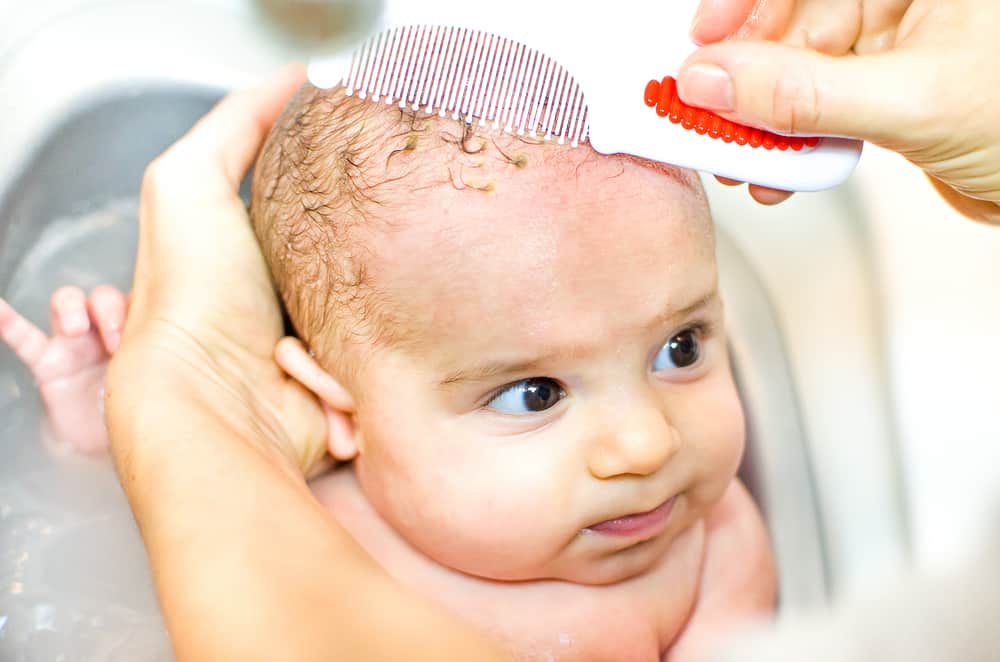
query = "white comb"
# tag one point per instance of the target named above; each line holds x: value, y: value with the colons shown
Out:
x: 572, y: 73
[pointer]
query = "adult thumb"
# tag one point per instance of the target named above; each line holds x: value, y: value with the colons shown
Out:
x: 794, y: 90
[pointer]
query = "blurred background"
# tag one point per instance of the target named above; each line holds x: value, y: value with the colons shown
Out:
x: 886, y: 304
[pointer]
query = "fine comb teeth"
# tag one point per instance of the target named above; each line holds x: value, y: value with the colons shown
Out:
x: 601, y: 74
x: 487, y: 79
x: 473, y: 76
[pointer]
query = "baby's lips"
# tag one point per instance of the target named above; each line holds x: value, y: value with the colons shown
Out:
x: 636, y: 524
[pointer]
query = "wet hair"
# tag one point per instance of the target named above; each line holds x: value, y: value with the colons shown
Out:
x: 314, y: 185
x: 330, y: 177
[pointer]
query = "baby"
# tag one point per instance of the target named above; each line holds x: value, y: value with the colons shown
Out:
x: 520, y: 349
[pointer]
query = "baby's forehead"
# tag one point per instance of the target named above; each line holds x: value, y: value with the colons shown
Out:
x: 509, y: 192
x: 562, y: 234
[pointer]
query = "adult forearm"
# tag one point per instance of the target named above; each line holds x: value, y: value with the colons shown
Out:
x: 247, y: 565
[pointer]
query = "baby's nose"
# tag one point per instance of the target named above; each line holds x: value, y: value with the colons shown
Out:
x: 639, y: 443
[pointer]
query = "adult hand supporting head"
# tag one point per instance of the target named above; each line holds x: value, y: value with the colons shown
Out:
x: 917, y: 82
x: 213, y: 442
x: 202, y: 297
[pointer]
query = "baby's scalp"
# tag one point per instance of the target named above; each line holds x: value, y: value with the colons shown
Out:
x: 339, y: 175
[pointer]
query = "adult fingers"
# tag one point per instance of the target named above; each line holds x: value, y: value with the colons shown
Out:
x: 879, y: 23
x: 716, y: 20
x: 798, y: 91
x: 235, y: 129
x: 768, y: 196
x: 982, y: 211
x: 762, y: 194
x: 826, y: 26
x: 191, y: 218
x: 725, y: 181
x: 227, y: 139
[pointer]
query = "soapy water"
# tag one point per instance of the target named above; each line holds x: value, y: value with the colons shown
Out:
x: 74, y: 581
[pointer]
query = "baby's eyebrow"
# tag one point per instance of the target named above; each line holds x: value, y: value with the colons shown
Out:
x: 493, y: 368
x: 672, y: 313
x: 490, y: 369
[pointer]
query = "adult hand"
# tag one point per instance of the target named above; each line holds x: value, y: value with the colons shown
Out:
x: 213, y: 442
x: 830, y: 28
x: 203, y: 301
x: 915, y: 81
x: 833, y: 28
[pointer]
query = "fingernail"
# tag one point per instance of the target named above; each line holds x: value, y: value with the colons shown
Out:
x: 707, y: 86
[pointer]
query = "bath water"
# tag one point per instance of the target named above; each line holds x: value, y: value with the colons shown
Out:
x: 74, y: 583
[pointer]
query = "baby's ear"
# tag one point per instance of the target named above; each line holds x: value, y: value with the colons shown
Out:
x: 338, y: 404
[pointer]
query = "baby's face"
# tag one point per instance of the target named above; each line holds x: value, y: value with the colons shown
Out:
x: 559, y: 365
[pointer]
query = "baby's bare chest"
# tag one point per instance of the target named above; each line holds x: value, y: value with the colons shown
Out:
x: 543, y: 621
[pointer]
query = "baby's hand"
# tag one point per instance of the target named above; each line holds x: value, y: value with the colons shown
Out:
x: 69, y: 367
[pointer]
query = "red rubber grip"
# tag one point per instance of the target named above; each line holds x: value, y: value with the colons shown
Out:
x: 663, y: 95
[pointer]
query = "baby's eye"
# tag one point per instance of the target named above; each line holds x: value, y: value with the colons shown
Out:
x: 680, y: 351
x: 528, y: 396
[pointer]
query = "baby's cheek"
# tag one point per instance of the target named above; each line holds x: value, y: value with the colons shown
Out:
x: 432, y: 500
x: 725, y: 429
x: 473, y: 529
x: 388, y: 482
x: 720, y: 441
x: 489, y: 523
x: 475, y: 504
x: 730, y: 437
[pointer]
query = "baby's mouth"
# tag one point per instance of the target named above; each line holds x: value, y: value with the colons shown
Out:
x: 637, y: 525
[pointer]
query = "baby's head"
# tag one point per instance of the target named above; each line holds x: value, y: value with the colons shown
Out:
x: 528, y: 337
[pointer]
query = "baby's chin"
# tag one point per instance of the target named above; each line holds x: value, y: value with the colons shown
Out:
x: 590, y: 568
x: 613, y: 570
x: 622, y: 565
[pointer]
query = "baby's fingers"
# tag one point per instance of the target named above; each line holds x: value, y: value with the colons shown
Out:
x: 107, y: 307
x: 68, y: 312
x: 26, y: 340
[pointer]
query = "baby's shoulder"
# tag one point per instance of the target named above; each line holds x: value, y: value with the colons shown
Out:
x: 738, y: 578
x: 735, y: 525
